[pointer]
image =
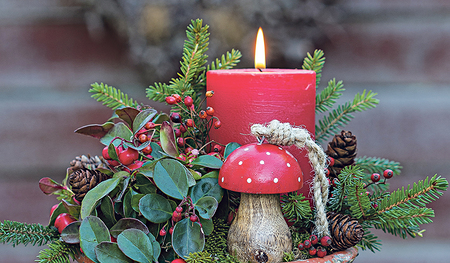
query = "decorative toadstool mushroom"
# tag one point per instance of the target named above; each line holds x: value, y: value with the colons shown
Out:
x: 260, y: 172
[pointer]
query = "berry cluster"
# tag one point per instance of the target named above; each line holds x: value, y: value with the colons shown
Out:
x: 192, y: 126
x: 376, y: 177
x: 186, y: 208
x: 311, y: 245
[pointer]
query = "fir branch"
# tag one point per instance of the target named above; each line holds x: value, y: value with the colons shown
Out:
x: 295, y: 208
x: 357, y: 199
x: 110, y: 96
x: 341, y: 116
x: 159, y: 92
x: 377, y: 165
x: 15, y: 233
x: 199, y: 257
x: 58, y: 252
x: 228, y: 61
x: 421, y: 194
x: 315, y: 63
x: 348, y: 181
x: 369, y: 240
x: 328, y: 96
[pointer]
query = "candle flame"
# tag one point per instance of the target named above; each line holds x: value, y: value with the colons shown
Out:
x: 260, y: 55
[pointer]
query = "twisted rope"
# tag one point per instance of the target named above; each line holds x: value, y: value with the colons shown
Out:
x: 284, y: 134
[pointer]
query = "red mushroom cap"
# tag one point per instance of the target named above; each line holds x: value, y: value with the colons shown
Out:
x: 261, y: 169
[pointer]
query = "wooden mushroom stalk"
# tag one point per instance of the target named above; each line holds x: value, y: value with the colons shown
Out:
x: 260, y: 172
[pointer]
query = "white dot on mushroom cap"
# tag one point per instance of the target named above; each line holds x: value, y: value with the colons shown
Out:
x: 299, y: 179
x: 280, y: 148
x: 240, y: 163
x: 268, y: 153
x: 223, y: 179
x: 288, y: 164
x: 275, y: 180
x: 246, y: 149
x: 249, y: 180
x: 261, y: 162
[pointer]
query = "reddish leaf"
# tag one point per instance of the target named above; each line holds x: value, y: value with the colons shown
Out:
x: 168, y: 140
x: 49, y: 186
x: 127, y: 114
x: 95, y: 130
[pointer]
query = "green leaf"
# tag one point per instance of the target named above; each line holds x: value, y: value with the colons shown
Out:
x: 128, y: 210
x: 107, y: 209
x: 168, y: 140
x: 92, y: 232
x: 128, y: 223
x: 144, y: 185
x: 127, y: 114
x: 71, y: 233
x: 119, y: 130
x: 230, y: 148
x: 72, y: 209
x: 50, y: 186
x: 187, y: 237
x: 59, y: 210
x: 156, y: 247
x: 206, y: 206
x: 98, y: 192
x: 155, y: 208
x: 135, y: 199
x: 207, y: 226
x: 207, y: 161
x: 136, y: 245
x: 212, y: 174
x: 97, y: 131
x: 108, y: 252
x: 207, y: 187
x: 142, y: 118
x: 170, y: 177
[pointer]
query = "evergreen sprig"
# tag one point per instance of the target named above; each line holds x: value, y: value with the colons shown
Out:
x: 16, y: 233
x: 228, y: 61
x: 111, y: 97
x: 341, y: 116
x: 315, y: 62
x: 369, y: 240
x: 58, y: 252
x: 327, y: 98
x: 296, y: 208
x: 377, y: 165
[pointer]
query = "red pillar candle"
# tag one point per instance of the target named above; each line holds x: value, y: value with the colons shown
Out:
x: 243, y: 97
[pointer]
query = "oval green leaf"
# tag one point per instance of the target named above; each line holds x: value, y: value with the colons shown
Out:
x: 59, y: 210
x: 207, y: 161
x: 206, y: 207
x: 71, y: 233
x: 187, y: 237
x: 207, y: 187
x: 127, y: 114
x: 171, y: 178
x: 107, y: 209
x: 108, y: 252
x: 142, y: 118
x: 97, y: 193
x: 155, y: 208
x: 230, y: 148
x: 144, y: 185
x: 136, y: 245
x: 92, y: 232
x: 156, y: 151
x: 207, y: 226
x: 128, y: 223
x: 119, y: 130
x: 156, y: 247
x: 168, y: 139
x: 135, y: 199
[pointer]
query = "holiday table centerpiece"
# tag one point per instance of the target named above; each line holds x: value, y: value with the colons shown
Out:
x: 168, y: 189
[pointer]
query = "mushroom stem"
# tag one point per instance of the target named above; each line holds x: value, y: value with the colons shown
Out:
x: 259, y: 233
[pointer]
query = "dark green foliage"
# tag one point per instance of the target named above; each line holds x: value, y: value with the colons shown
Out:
x: 199, y: 257
x: 111, y: 97
x: 342, y: 115
x: 16, y: 233
x: 326, y: 99
x: 315, y: 63
x: 343, y: 193
x: 296, y: 209
x: 377, y: 165
x: 369, y: 240
x: 216, y: 243
x: 227, y: 61
x: 58, y: 252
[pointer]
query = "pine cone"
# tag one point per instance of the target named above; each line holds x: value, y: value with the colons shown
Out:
x: 343, y: 149
x: 345, y: 231
x: 87, y: 162
x: 83, y: 180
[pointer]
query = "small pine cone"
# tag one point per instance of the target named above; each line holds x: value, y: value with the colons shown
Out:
x: 87, y: 162
x: 345, y: 231
x: 343, y: 149
x: 83, y: 180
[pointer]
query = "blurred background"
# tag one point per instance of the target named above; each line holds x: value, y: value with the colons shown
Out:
x: 52, y: 50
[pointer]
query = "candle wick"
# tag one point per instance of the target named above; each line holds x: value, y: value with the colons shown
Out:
x: 260, y: 70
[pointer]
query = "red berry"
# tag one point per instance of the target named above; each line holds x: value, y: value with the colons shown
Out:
x: 171, y: 230
x: 63, y: 220
x: 312, y: 251
x: 150, y: 125
x: 330, y: 161
x: 188, y: 101
x: 375, y: 177
x: 209, y: 93
x: 183, y: 128
x: 128, y: 156
x: 218, y: 148
x: 335, y: 181
x: 177, y: 97
x: 210, y: 111
x: 162, y: 232
x: 325, y: 241
x: 147, y: 150
x: 176, y: 216
x: 179, y: 209
x: 314, y: 239
x: 178, y: 260
x: 113, y: 239
x: 105, y: 153
x: 327, y: 172
x: 321, y: 252
x: 143, y: 137
x: 136, y: 165
x: 307, y: 243
x: 180, y: 141
x: 193, y: 218
x: 188, y: 150
x: 388, y: 173
x: 202, y: 114
x: 217, y: 124
x: 189, y: 123
x: 301, y: 246
x: 177, y: 132
x: 113, y: 162
x: 53, y: 209
x: 175, y: 117
x: 171, y: 100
